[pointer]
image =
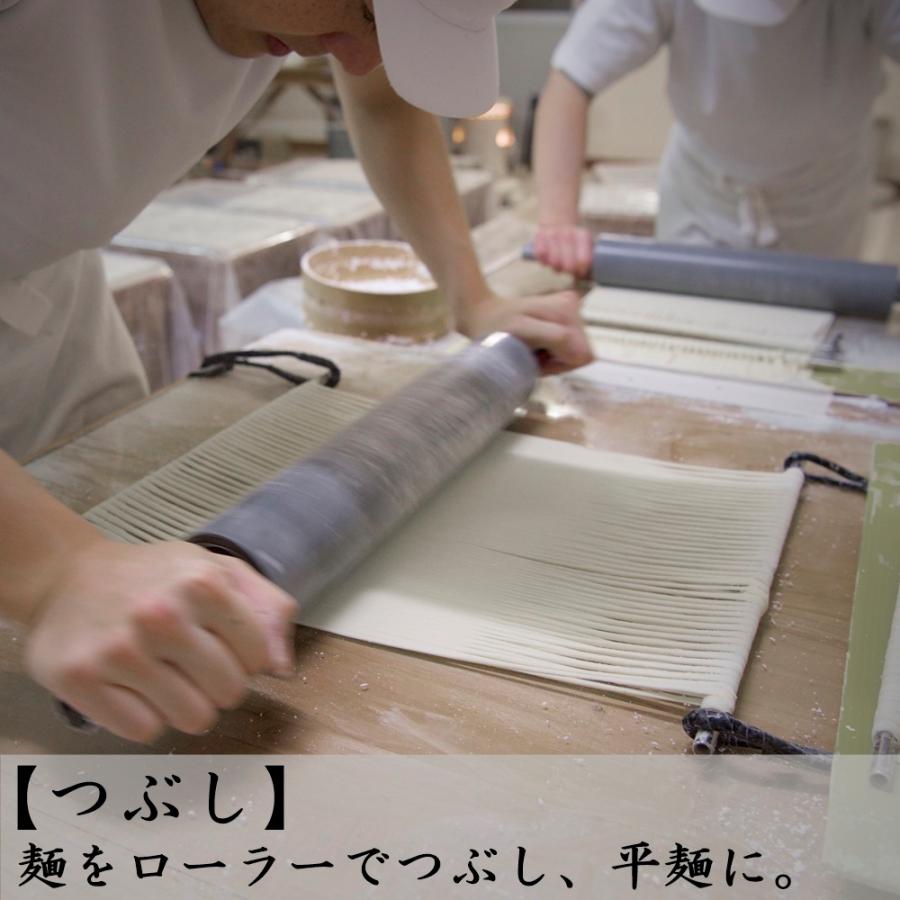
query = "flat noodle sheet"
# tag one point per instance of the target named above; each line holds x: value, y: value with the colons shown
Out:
x: 725, y: 320
x: 587, y: 567
x: 704, y: 357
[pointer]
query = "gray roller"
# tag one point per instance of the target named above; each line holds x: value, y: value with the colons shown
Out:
x: 841, y: 286
x: 317, y: 519
x: 844, y: 287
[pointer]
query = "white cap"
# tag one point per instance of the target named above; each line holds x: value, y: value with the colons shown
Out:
x: 750, y: 12
x: 441, y: 55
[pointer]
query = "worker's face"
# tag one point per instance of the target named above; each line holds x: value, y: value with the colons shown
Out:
x: 344, y: 28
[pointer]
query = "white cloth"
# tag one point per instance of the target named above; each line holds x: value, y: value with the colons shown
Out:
x: 103, y: 105
x: 819, y: 208
x: 771, y: 146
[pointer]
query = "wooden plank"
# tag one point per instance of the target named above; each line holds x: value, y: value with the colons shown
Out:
x: 862, y: 838
x: 877, y: 580
x: 863, y: 382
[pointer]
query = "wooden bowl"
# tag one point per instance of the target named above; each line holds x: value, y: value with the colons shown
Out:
x: 372, y: 289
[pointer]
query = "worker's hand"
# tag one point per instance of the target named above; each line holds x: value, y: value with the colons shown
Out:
x: 566, y: 248
x: 138, y: 638
x: 550, y: 323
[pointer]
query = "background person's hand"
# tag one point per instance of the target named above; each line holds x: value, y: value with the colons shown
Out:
x: 551, y: 322
x: 138, y: 638
x: 566, y: 248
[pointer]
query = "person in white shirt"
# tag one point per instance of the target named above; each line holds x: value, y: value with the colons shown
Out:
x: 103, y: 104
x: 772, y: 102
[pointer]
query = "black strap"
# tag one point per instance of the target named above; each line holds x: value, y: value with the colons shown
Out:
x: 73, y: 718
x: 851, y: 481
x: 220, y: 363
x: 733, y: 732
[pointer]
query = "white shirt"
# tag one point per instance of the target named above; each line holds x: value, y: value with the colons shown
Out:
x: 104, y: 103
x: 771, y: 143
x: 763, y: 99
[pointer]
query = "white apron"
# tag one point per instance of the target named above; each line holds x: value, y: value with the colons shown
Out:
x: 820, y: 209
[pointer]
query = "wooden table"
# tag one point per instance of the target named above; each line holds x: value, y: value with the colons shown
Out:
x: 418, y: 704
x: 156, y: 314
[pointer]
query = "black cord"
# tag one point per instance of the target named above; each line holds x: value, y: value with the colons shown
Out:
x: 733, y: 732
x: 848, y: 480
x: 220, y: 363
x: 73, y: 718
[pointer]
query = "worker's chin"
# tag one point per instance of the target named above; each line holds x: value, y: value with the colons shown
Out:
x: 243, y: 47
x: 351, y: 69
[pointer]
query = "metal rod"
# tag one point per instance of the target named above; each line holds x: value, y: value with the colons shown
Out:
x: 705, y: 743
x: 884, y: 761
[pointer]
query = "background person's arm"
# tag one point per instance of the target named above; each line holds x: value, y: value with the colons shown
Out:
x: 136, y: 638
x: 605, y: 40
x: 559, y: 150
x: 405, y: 159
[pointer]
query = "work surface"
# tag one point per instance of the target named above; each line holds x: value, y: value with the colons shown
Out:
x: 349, y: 697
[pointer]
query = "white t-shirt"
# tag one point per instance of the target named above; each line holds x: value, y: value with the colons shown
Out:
x: 104, y: 103
x: 756, y: 101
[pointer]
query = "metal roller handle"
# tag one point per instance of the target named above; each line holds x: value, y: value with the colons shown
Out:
x: 316, y: 520
x: 884, y: 761
x: 841, y: 286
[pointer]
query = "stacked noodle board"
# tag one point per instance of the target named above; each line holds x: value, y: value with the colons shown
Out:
x: 724, y: 338
x: 801, y: 330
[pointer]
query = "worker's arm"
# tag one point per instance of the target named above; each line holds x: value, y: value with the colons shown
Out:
x: 134, y: 637
x: 559, y: 150
x: 403, y: 153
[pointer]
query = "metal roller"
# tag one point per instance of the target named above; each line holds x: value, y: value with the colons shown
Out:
x: 319, y: 518
x: 841, y: 286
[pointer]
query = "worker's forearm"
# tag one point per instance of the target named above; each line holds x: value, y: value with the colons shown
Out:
x: 37, y: 535
x: 559, y: 149
x: 405, y: 159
